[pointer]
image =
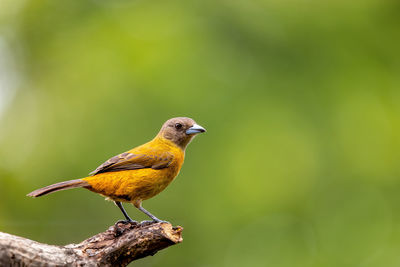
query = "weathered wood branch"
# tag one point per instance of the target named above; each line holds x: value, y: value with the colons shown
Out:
x: 117, y: 246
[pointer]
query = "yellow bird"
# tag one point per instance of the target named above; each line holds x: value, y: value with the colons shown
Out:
x: 140, y: 173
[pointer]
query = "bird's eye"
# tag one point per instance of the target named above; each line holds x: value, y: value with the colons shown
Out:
x: 178, y: 126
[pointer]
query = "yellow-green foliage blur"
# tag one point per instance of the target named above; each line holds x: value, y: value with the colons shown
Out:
x: 301, y: 99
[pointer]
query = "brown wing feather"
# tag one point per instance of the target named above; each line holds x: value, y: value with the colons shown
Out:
x: 130, y: 161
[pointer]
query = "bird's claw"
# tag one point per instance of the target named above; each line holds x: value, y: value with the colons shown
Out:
x: 126, y: 222
x: 153, y: 221
x: 119, y: 230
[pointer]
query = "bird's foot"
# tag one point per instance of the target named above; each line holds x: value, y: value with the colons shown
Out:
x: 126, y: 222
x: 120, y: 230
x: 153, y: 221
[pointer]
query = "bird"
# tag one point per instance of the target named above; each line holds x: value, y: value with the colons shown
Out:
x: 140, y: 173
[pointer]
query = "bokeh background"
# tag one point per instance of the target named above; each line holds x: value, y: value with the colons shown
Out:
x: 301, y: 100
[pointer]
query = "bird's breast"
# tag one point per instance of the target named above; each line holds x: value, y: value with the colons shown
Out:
x: 130, y: 185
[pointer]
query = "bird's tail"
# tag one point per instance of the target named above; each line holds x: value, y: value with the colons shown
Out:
x: 58, y: 186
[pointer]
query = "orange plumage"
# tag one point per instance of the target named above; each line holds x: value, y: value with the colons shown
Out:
x: 140, y: 184
x: 141, y: 172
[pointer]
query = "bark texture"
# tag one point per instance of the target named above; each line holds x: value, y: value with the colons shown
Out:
x: 117, y: 246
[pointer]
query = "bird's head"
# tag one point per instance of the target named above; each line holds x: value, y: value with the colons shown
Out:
x: 180, y: 131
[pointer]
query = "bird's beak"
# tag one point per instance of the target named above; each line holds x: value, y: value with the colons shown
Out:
x: 195, y: 129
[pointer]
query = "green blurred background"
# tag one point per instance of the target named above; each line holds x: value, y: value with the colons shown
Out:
x: 301, y: 100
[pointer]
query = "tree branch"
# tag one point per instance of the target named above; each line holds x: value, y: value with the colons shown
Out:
x: 117, y: 246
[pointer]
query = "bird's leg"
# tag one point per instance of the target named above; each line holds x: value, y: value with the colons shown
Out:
x: 128, y: 219
x: 119, y: 231
x: 154, y: 218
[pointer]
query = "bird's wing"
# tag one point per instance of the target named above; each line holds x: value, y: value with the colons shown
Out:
x: 134, y: 161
